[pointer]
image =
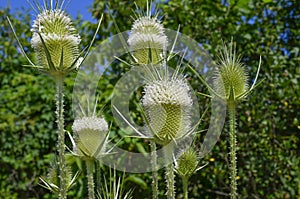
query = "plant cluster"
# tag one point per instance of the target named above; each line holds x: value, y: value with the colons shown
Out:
x: 166, y: 103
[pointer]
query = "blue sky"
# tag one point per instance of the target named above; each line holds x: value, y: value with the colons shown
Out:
x: 74, y: 8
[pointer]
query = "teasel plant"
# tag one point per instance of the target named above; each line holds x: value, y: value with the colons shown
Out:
x: 230, y: 86
x: 165, y: 107
x: 166, y: 102
x: 55, y: 42
x: 147, y: 45
x: 147, y: 42
x: 90, y: 141
x: 186, y: 165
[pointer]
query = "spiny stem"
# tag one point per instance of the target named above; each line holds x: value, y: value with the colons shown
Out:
x: 233, y: 166
x: 61, y: 135
x: 90, y: 177
x: 154, y: 170
x: 170, y: 181
x: 185, y: 187
x: 169, y: 174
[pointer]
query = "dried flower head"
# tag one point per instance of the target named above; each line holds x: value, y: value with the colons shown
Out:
x: 167, y: 105
x: 55, y: 42
x: 147, y: 40
x: 91, y: 136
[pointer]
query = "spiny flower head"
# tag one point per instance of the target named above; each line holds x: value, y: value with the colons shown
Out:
x: 167, y: 104
x: 231, y: 79
x: 187, y: 163
x: 55, y: 42
x: 147, y: 40
x: 91, y: 136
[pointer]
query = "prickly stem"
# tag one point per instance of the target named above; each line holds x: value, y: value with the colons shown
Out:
x: 233, y: 166
x: 61, y: 136
x: 154, y: 170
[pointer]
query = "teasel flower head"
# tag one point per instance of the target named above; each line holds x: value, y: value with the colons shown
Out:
x: 55, y: 42
x: 187, y: 162
x: 91, y: 136
x: 167, y: 104
x: 147, y: 40
x: 231, y: 80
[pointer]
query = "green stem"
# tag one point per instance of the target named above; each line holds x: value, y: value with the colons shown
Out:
x: 169, y: 174
x: 185, y: 181
x: 154, y: 171
x: 233, y: 166
x: 170, y: 181
x: 90, y: 177
x: 61, y: 136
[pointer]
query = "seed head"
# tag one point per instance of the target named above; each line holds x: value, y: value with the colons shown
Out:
x: 167, y: 105
x: 91, y: 134
x: 231, y: 79
x: 55, y: 40
x: 147, y: 40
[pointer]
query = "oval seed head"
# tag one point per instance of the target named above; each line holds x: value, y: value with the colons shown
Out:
x: 187, y: 163
x: 147, y: 40
x: 231, y: 79
x: 167, y: 105
x: 61, y: 40
x: 91, y: 133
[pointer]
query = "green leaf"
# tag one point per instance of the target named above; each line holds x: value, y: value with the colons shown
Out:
x: 137, y: 180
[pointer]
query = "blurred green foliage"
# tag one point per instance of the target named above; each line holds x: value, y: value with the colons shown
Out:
x: 268, y: 121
